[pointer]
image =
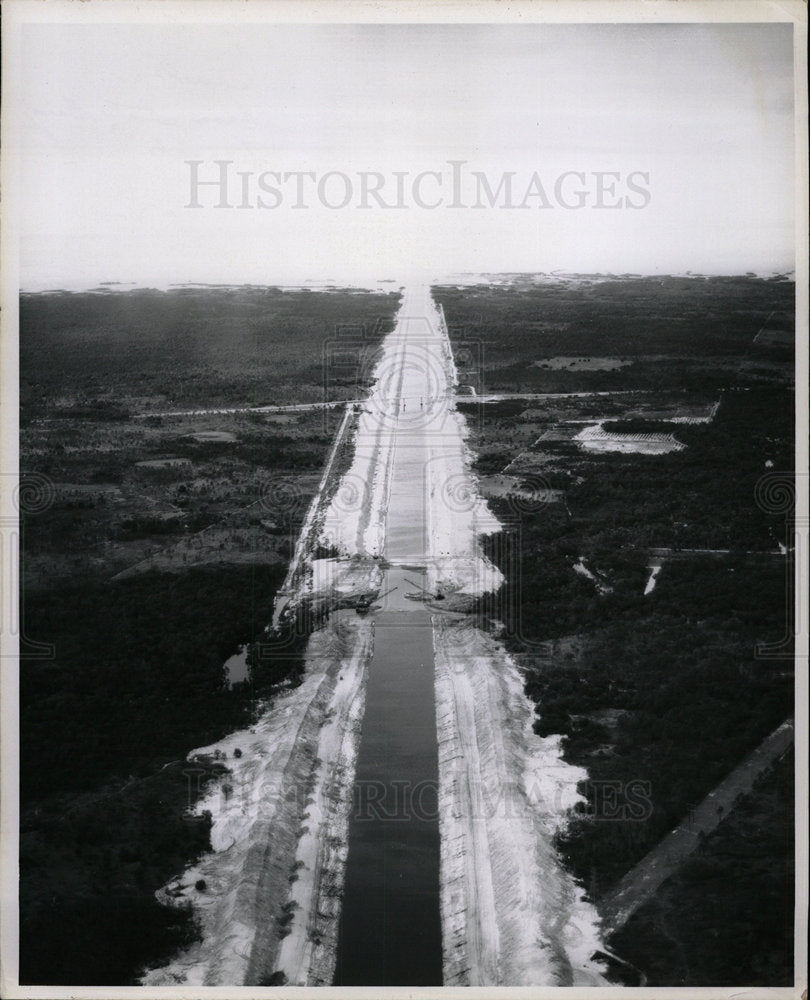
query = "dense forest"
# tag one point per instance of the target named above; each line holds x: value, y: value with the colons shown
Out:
x: 198, y: 346
x: 136, y: 678
x: 136, y: 682
x: 666, y: 327
x: 727, y: 916
x: 702, y: 497
x: 664, y: 689
x: 658, y: 694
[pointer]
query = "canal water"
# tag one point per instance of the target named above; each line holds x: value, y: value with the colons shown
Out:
x: 390, y: 931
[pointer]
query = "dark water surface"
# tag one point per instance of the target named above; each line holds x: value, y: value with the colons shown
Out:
x: 390, y: 932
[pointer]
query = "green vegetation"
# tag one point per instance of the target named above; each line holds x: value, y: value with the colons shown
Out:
x: 141, y: 492
x: 663, y: 690
x: 111, y: 512
x: 90, y: 865
x: 660, y: 696
x: 701, y: 904
x: 187, y: 347
x: 667, y: 325
x: 137, y: 680
x: 137, y: 677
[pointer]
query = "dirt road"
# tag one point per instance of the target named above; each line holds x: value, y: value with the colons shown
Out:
x: 642, y: 882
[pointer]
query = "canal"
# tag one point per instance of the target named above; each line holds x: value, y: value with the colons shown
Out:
x: 390, y: 931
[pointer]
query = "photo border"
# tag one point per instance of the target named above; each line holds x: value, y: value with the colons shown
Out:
x: 18, y: 13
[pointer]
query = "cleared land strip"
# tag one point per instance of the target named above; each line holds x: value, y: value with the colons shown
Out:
x: 330, y: 404
x: 267, y: 896
x: 497, y: 397
x: 641, y: 883
x: 292, y: 408
x: 304, y: 536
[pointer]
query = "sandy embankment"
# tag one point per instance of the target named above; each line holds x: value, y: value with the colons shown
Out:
x: 280, y: 817
x: 273, y: 883
x: 307, y: 955
x: 354, y: 520
x: 511, y: 914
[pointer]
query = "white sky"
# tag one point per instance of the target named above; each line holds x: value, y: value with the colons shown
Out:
x: 111, y: 112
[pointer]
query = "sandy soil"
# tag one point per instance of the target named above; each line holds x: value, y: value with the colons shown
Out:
x: 419, y: 370
x: 602, y: 587
x: 307, y: 955
x: 280, y: 811
x: 511, y: 914
x: 596, y: 438
x: 652, y: 579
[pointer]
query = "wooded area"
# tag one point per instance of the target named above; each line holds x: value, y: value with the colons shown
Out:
x: 658, y: 695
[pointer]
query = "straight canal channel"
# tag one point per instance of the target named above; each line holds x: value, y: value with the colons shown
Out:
x: 390, y: 930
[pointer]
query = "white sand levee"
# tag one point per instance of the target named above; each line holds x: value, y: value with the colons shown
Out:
x: 511, y: 914
x: 270, y: 898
